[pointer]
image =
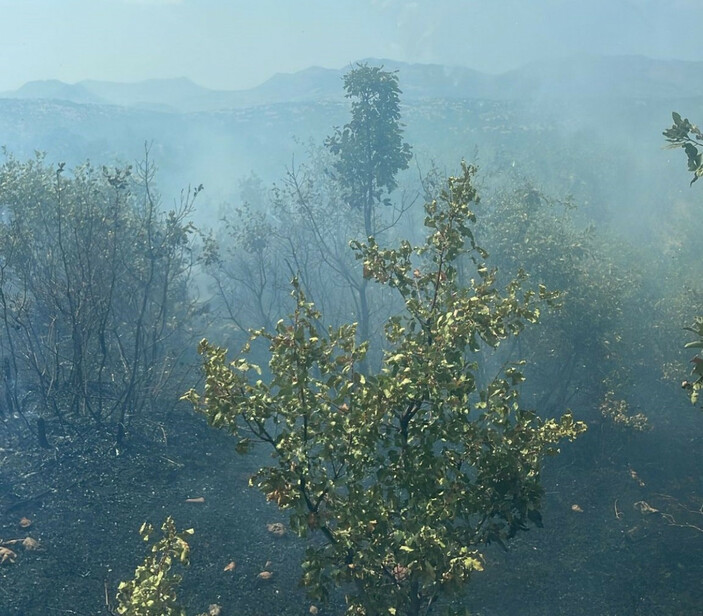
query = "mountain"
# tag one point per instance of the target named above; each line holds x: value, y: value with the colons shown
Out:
x: 313, y: 83
x: 586, y: 76
x: 576, y: 77
x: 55, y: 90
x: 161, y: 94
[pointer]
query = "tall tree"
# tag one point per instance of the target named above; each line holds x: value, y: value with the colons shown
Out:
x: 370, y: 152
x: 304, y: 224
x: 370, y: 148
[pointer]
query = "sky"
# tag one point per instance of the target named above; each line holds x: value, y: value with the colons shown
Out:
x: 235, y: 44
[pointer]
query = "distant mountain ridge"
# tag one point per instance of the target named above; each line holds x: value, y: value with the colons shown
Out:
x: 575, y: 77
x: 150, y: 93
x: 55, y: 90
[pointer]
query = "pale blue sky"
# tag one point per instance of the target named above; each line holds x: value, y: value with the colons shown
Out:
x: 232, y: 44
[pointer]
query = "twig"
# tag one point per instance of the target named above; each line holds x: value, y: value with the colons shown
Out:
x: 618, y: 513
x: 671, y: 521
x: 30, y: 500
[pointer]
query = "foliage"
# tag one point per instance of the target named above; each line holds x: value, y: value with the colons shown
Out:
x: 370, y: 149
x: 152, y: 591
x: 94, y: 293
x: 694, y: 387
x: 589, y: 344
x: 408, y: 471
x: 683, y: 134
x: 689, y: 137
x: 618, y: 413
x: 303, y: 225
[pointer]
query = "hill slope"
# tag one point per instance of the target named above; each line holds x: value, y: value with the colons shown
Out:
x: 572, y: 78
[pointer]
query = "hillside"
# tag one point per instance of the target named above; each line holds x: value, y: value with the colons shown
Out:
x: 574, y: 77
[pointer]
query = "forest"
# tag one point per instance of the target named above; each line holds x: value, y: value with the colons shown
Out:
x: 383, y: 383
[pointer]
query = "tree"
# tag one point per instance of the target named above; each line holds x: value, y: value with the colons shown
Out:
x: 304, y: 224
x: 591, y: 344
x: 370, y: 149
x: 407, y: 472
x: 370, y: 152
x: 299, y: 227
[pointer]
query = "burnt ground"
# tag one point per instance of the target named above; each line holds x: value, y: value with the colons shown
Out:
x: 86, y: 505
x: 602, y: 552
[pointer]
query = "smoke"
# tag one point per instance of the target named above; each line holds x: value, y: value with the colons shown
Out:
x: 496, y: 36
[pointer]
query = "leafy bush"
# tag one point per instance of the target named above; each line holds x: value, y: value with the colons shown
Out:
x: 592, y: 343
x: 406, y: 472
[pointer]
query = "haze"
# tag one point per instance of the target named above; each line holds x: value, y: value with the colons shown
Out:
x: 178, y: 171
x: 236, y: 45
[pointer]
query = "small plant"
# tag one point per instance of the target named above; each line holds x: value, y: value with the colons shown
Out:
x: 618, y: 413
x: 152, y: 590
